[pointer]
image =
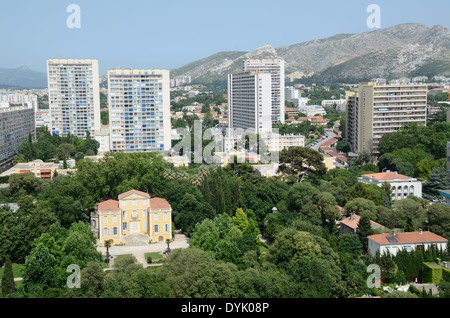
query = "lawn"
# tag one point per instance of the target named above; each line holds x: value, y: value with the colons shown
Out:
x: 17, y: 270
x: 156, y: 257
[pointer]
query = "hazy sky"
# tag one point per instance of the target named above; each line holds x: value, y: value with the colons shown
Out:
x: 171, y: 33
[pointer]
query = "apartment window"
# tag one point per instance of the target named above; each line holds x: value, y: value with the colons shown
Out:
x: 165, y: 215
x: 134, y: 202
x: 105, y: 219
x: 144, y: 213
x: 114, y: 218
x: 166, y: 228
x: 155, y: 216
x: 125, y: 226
x: 124, y: 203
x: 156, y: 228
x: 134, y: 214
x: 115, y: 231
x: 124, y: 214
x: 144, y: 201
x: 105, y: 231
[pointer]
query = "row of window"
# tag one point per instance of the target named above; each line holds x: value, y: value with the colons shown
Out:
x: 134, y: 214
x: 106, y: 231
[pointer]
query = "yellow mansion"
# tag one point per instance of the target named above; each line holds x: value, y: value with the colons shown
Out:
x: 134, y: 218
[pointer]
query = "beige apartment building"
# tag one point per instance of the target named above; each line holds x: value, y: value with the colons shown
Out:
x: 74, y: 96
x: 376, y: 110
x: 139, y: 110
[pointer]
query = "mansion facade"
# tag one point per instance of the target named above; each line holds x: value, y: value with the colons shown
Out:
x: 134, y: 217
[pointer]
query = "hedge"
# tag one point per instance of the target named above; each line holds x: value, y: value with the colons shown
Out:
x: 433, y: 275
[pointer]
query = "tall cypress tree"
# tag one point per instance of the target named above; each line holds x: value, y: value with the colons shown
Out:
x: 8, y: 285
x: 364, y: 230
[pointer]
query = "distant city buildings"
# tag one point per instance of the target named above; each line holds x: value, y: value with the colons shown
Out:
x: 276, y: 67
x: 376, y: 110
x: 20, y: 98
x: 293, y: 95
x: 180, y: 81
x: 43, y: 118
x: 74, y: 98
x: 339, y: 104
x: 312, y: 110
x: 17, y: 124
x: 139, y: 110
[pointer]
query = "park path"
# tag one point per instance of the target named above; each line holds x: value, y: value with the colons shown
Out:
x: 180, y: 241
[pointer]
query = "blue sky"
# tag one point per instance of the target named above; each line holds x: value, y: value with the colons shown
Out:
x: 171, y: 33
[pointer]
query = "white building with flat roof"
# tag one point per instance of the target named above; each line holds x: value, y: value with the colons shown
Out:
x: 250, y: 101
x: 276, y: 67
x: 74, y: 97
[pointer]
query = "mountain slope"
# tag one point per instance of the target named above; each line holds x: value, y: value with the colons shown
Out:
x: 216, y: 67
x: 405, y: 50
x: 22, y: 77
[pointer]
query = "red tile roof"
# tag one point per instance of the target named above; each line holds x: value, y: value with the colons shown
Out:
x: 385, y: 176
x: 353, y: 223
x: 408, y: 237
x: 108, y: 205
x: 159, y: 203
x: 122, y: 195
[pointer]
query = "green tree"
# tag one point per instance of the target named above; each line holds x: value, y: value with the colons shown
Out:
x: 80, y: 246
x: 409, y: 214
x: 8, y: 285
x: 444, y: 289
x: 65, y: 150
x: 362, y: 207
x: 350, y: 244
x: 438, y: 216
x: 437, y: 180
x: 92, y: 280
x: 364, y: 230
x: 40, y: 271
x: 296, y: 161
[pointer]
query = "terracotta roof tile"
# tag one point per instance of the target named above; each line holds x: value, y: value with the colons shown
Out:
x: 385, y: 176
x: 108, y: 205
x: 407, y: 237
x: 159, y: 203
x: 353, y: 223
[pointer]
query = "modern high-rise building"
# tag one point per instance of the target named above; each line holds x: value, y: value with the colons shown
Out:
x: 16, y: 125
x: 249, y: 101
x: 74, y: 98
x: 139, y: 110
x: 276, y: 67
x: 377, y: 110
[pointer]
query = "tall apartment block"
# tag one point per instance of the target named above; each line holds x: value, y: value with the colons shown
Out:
x: 16, y: 125
x: 377, y: 110
x: 74, y: 98
x: 139, y: 110
x: 249, y: 101
x: 276, y: 67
